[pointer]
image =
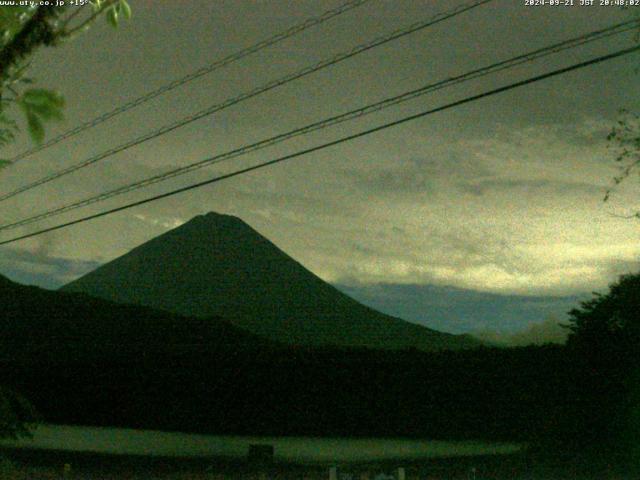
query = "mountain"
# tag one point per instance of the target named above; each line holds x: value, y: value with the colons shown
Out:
x: 217, y: 265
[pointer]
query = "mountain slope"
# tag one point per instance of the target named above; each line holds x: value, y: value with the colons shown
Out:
x: 43, y: 325
x: 216, y: 265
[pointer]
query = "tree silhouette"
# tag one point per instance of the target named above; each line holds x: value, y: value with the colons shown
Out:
x: 605, y: 339
x: 610, y: 324
x: 624, y: 139
x: 16, y: 415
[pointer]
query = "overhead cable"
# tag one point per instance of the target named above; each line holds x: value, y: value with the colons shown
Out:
x: 223, y: 62
x: 337, y: 119
x: 247, y: 95
x: 323, y: 146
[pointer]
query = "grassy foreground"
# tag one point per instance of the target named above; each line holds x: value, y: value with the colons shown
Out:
x: 51, y: 465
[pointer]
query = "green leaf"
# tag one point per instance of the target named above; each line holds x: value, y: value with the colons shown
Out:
x: 5, y: 36
x: 112, y: 17
x: 44, y: 103
x: 36, y: 129
x: 12, y: 19
x: 47, y: 112
x: 97, y: 5
x: 125, y: 9
x: 41, y: 96
x: 4, y: 163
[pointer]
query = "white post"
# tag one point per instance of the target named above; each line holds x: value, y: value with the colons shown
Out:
x: 401, y: 474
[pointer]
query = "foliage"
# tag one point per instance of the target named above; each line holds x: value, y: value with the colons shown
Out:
x: 40, y: 105
x: 611, y: 321
x: 22, y: 31
x: 12, y: 19
x: 8, y: 129
x: 8, y: 471
x: 624, y: 139
x: 17, y: 415
x: 605, y: 340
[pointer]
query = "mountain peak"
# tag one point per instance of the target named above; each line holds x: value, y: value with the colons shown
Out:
x: 217, y: 217
x: 213, y: 220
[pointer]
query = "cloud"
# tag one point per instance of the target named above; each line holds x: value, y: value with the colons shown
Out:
x: 533, y: 186
x: 420, y: 174
x: 508, y: 210
x: 168, y: 223
x: 40, y: 268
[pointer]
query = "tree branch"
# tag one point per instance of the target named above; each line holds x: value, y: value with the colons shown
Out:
x: 36, y: 31
x: 88, y: 21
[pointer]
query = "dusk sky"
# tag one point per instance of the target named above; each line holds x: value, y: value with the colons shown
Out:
x: 499, y: 196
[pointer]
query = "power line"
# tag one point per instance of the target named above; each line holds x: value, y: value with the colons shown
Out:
x: 223, y: 62
x: 347, y: 138
x: 334, y: 120
x: 250, y: 94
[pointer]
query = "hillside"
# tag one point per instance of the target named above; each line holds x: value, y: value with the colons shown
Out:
x: 39, y: 324
x: 217, y: 265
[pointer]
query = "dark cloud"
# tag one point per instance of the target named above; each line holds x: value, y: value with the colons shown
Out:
x: 421, y: 174
x: 41, y: 269
x: 538, y: 186
x: 396, y: 181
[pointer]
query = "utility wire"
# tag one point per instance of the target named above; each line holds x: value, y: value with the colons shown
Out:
x: 223, y: 62
x: 252, y: 93
x: 347, y: 138
x: 353, y: 114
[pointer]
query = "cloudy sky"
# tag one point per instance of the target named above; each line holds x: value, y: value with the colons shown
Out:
x: 497, y: 203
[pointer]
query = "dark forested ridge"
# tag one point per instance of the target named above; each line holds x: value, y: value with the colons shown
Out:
x: 308, y: 393
x: 43, y: 325
x: 217, y: 265
x: 88, y: 361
